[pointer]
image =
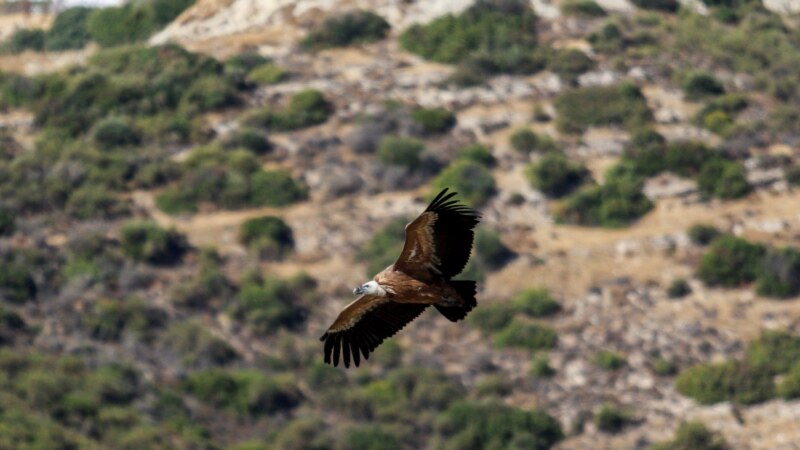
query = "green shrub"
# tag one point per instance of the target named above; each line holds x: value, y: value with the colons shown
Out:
x: 306, y: 108
x: 730, y: 261
x: 524, y: 140
x: 493, y: 317
x: 608, y: 360
x: 434, y: 120
x: 692, y: 436
x: 536, y: 302
x: 91, y: 201
x: 540, y: 367
x: 582, y: 8
x: 555, y: 175
x: 616, y: 203
x: 670, y: 6
x: 250, y: 139
x: 16, y: 283
x: 789, y: 387
x: 132, y: 22
x: 490, y: 37
x: 268, y: 235
x: 267, y: 73
x: 68, y: 31
x: 723, y: 179
x: 493, y: 425
x: 116, y: 132
x: 479, y: 154
x: 729, y: 381
x: 622, y: 105
x: 26, y: 39
x: 775, y: 351
x: 246, y: 393
x: 7, y: 221
x: 384, y: 247
x: 530, y: 336
x: 473, y: 182
x: 368, y: 437
x: 356, y: 27
x: 664, y: 367
x: 792, y: 174
x: 148, y: 242
x: 678, y: 288
x: 701, y: 234
x: 780, y: 273
x: 490, y: 250
x: 568, y: 64
x: 611, y: 419
x: 274, y: 303
x: 198, y: 347
x: 401, y: 151
x: 698, y: 85
x: 209, y: 93
x: 109, y: 320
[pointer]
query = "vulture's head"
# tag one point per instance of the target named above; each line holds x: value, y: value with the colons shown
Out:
x: 370, y: 288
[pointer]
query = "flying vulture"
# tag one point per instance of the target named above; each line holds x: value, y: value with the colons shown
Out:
x: 437, y: 247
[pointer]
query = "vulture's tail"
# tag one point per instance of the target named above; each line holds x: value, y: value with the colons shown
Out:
x: 466, y: 291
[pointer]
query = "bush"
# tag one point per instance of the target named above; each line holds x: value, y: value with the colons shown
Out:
x: 116, y: 132
x: 614, y: 204
x: 90, y: 201
x: 701, y: 234
x: 493, y: 425
x: 434, y: 120
x: 555, y: 175
x: 582, y: 8
x: 774, y: 351
x: 780, y: 273
x: 268, y: 235
x: 729, y: 381
x: 479, y: 154
x: 109, y: 320
x: 68, y: 31
x: 7, y: 221
x: 274, y: 303
x: 401, y: 151
x: 198, y: 347
x: 16, y: 283
x: 665, y: 368
x: 473, y: 182
x: 670, y: 6
x: 692, y: 436
x: 608, y: 360
x: 148, y: 242
x: 789, y: 387
x: 678, y: 288
x: 246, y: 393
x: 132, y: 22
x: 730, y: 262
x: 493, y: 317
x: 622, y: 105
x: 611, y: 419
x: 267, y: 73
x: 306, y: 108
x: 490, y: 250
x: 249, y: 139
x: 530, y: 336
x: 536, y: 303
x: 568, y: 64
x: 698, y: 85
x: 368, y: 437
x: 26, y: 39
x: 356, y: 27
x: 540, y: 367
x: 488, y: 38
x: 723, y: 179
x: 524, y: 140
x: 209, y: 93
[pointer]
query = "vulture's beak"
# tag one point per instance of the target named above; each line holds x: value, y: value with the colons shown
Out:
x: 358, y: 291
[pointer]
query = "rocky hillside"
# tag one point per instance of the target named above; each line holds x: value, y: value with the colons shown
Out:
x: 180, y: 220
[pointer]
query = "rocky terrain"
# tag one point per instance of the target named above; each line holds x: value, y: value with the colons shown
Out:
x: 612, y: 283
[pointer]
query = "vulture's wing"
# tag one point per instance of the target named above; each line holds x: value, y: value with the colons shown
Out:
x: 439, y: 241
x: 363, y: 325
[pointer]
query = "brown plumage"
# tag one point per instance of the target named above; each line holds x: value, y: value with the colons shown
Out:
x: 437, y: 247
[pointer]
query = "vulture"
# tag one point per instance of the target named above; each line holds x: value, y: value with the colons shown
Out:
x: 437, y: 247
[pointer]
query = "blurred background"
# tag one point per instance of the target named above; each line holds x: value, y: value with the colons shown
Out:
x: 190, y: 190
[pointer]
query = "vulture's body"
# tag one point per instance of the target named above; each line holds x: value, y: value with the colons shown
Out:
x: 437, y: 247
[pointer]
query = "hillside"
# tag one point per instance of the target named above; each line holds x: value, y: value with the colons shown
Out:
x: 184, y: 212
